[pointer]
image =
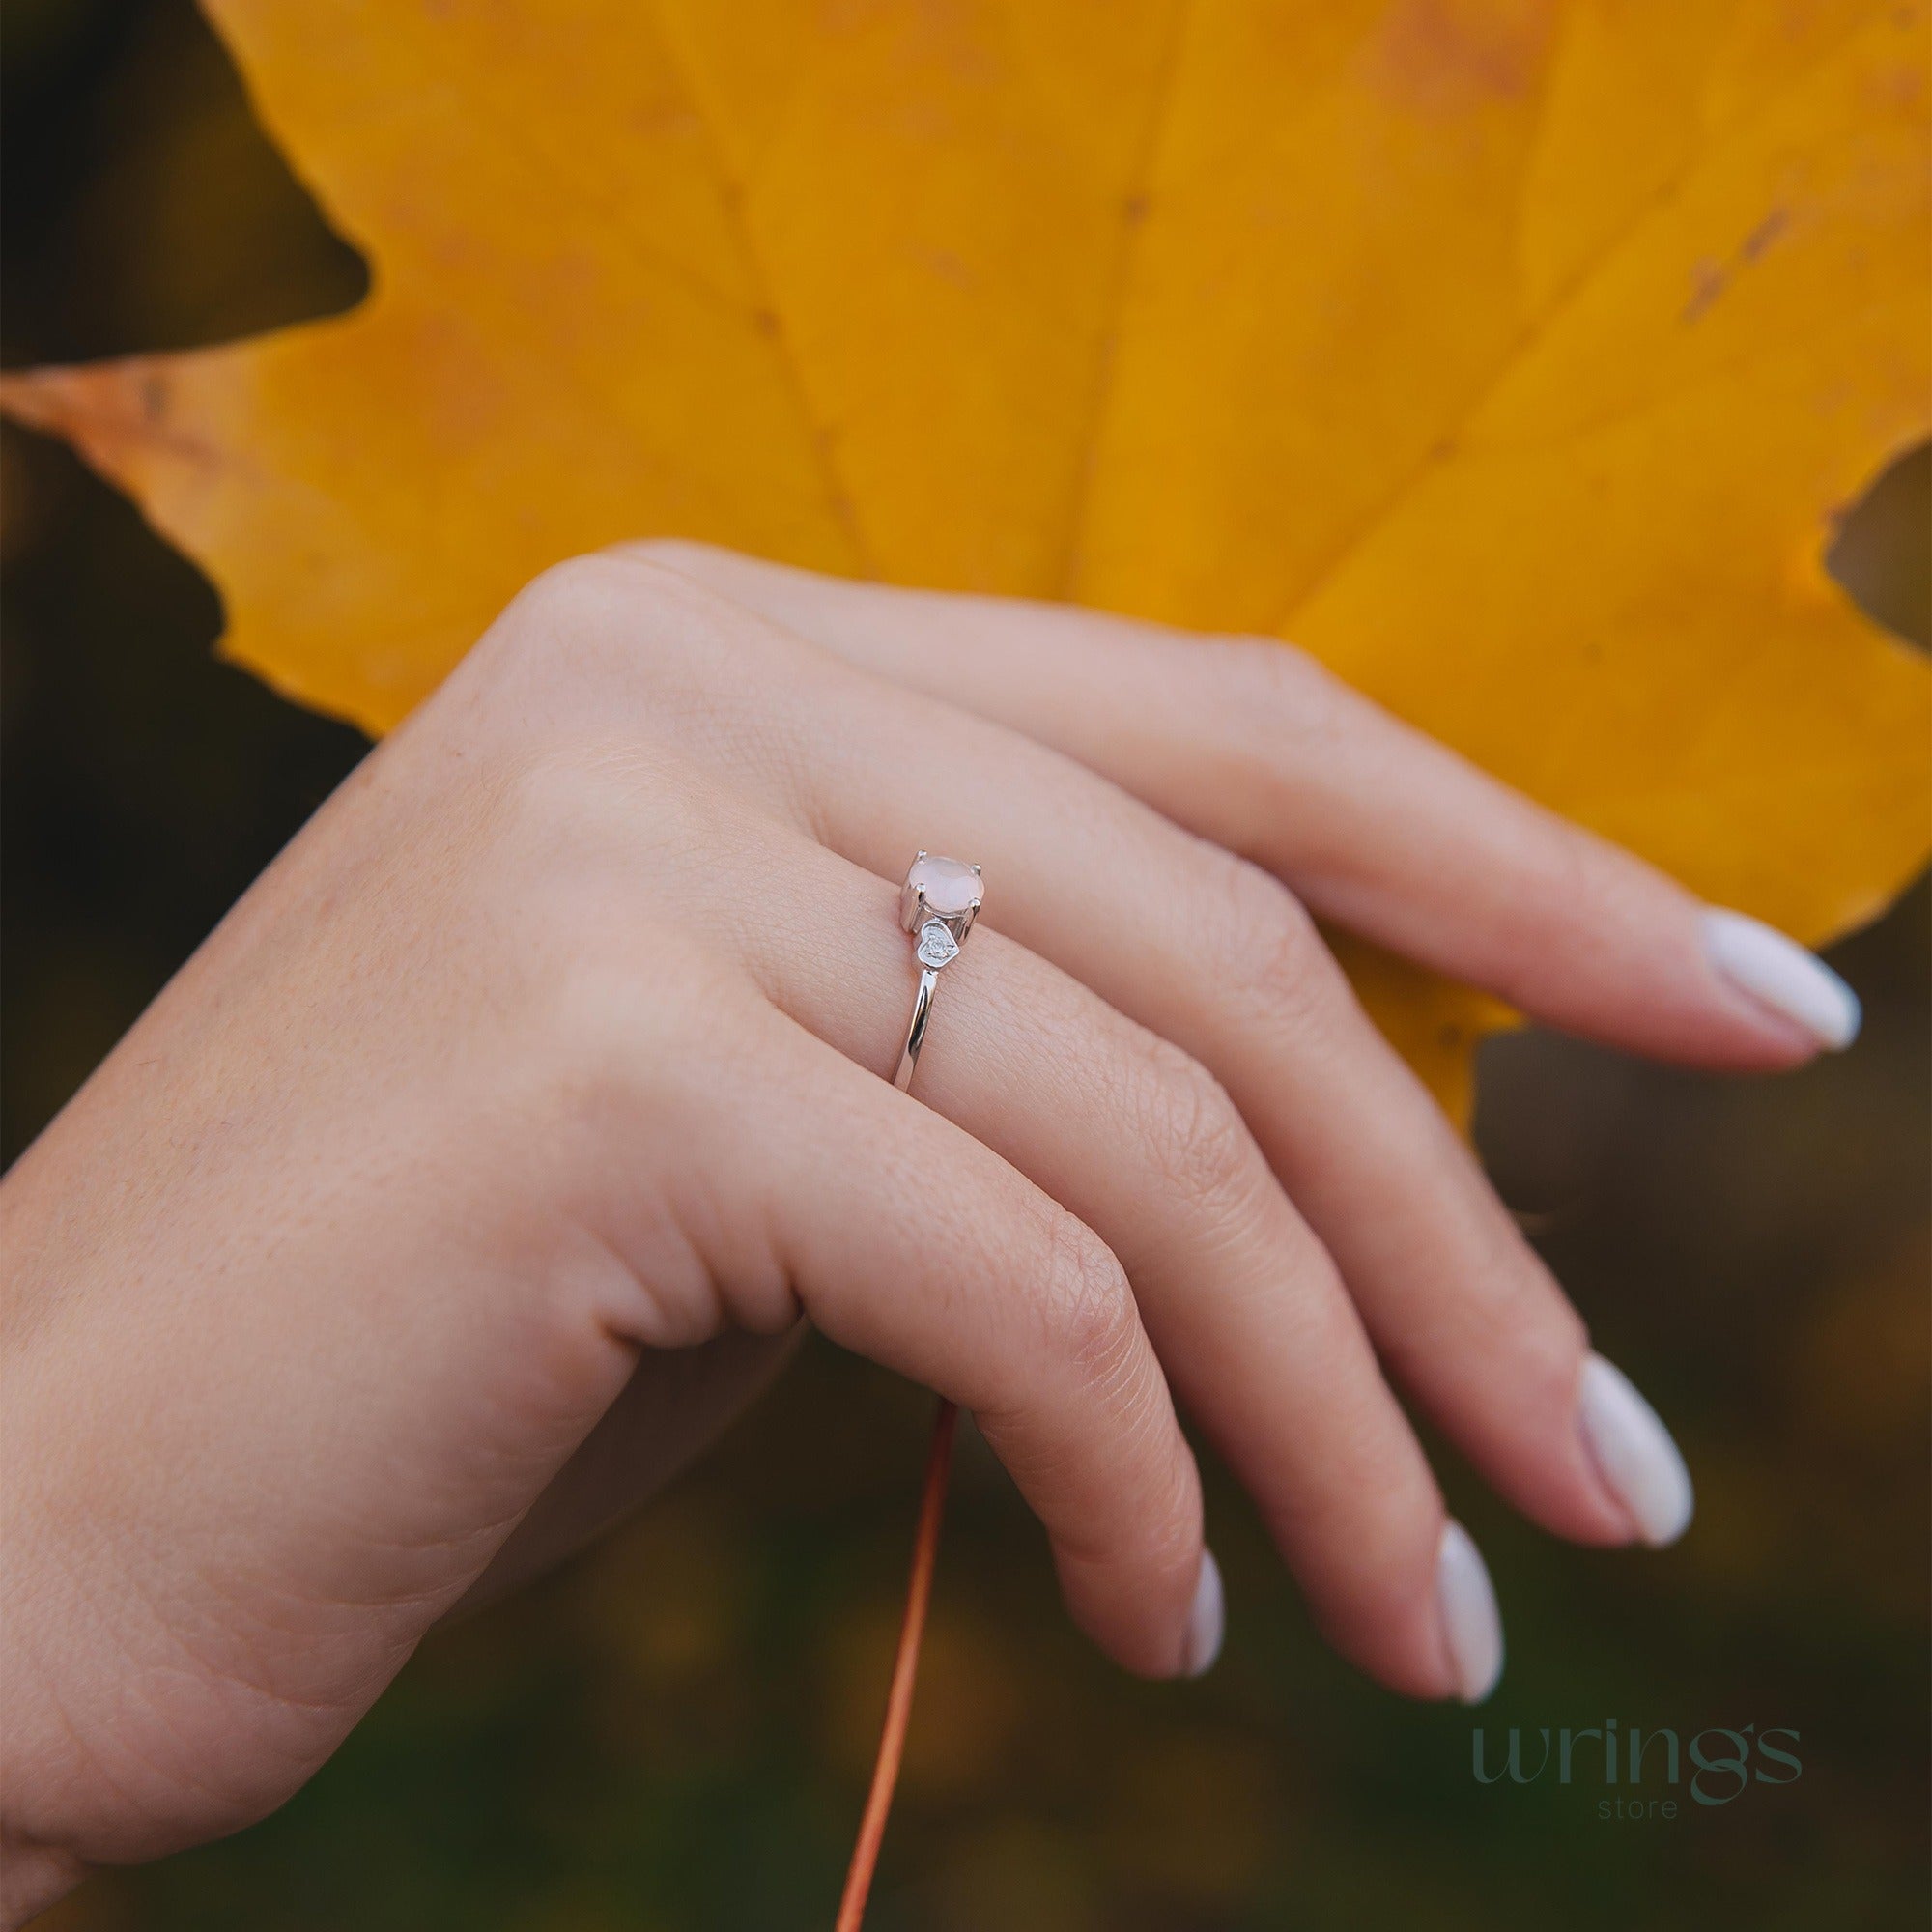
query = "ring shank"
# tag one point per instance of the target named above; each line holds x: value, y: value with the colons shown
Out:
x: 921, y: 1007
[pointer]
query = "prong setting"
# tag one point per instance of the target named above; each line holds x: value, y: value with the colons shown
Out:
x: 943, y: 890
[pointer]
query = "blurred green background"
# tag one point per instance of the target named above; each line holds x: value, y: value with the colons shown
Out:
x: 674, y: 1732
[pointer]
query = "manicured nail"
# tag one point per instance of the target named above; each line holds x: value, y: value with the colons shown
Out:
x: 1760, y: 961
x: 1470, y: 1626
x: 1633, y: 1453
x: 1206, y: 1621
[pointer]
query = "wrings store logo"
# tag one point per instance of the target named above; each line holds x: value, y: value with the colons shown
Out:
x: 1642, y: 1771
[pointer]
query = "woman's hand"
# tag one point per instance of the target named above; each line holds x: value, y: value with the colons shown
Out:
x: 488, y: 1154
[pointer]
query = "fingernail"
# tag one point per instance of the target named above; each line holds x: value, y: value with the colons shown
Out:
x: 1633, y: 1453
x: 1760, y: 961
x: 1206, y: 1621
x: 1470, y: 1626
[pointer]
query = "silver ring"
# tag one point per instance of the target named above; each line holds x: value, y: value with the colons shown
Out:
x: 938, y: 904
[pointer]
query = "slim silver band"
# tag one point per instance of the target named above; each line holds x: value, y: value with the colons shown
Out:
x: 921, y: 1006
x: 940, y: 932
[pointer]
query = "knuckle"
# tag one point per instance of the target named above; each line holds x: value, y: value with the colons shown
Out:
x: 1088, y: 1305
x: 679, y: 554
x: 1194, y: 1134
x: 622, y: 639
x: 1281, y: 708
x: 1275, y: 678
x: 582, y: 594
x: 1272, y: 949
x: 604, y: 613
x: 1095, y: 1321
x: 1564, y: 871
x: 1173, y: 1541
x: 548, y: 632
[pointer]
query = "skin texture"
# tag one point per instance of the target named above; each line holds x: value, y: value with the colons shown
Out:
x: 493, y: 1150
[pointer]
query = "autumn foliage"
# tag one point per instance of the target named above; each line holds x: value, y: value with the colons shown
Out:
x: 1515, y: 356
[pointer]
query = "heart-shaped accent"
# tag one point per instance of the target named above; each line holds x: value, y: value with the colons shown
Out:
x: 936, y: 945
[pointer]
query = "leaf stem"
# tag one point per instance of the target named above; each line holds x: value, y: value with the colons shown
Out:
x: 905, y: 1669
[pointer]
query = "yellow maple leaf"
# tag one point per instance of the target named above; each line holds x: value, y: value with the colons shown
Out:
x: 1512, y: 355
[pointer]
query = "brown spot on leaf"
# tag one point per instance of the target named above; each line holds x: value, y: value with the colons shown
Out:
x: 1708, y: 281
x: 1456, y: 56
x: 1765, y: 233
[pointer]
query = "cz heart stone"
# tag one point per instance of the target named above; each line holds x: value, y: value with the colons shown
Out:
x: 936, y: 945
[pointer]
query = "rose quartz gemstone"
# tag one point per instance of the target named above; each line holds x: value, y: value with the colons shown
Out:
x: 950, y: 888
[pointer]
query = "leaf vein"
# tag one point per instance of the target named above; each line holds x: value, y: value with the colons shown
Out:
x: 839, y: 498
x: 1136, y: 212
x: 1445, y: 445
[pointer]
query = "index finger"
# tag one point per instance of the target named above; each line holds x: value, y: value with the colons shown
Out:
x: 1377, y: 826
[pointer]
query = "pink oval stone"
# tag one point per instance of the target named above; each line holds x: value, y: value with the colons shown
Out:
x: 950, y: 888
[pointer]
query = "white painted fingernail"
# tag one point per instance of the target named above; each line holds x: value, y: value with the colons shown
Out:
x: 1206, y: 1621
x: 1470, y: 1626
x: 1760, y: 961
x: 1634, y: 1452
